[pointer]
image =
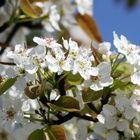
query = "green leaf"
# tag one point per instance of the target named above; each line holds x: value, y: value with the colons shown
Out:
x: 86, y: 109
x: 29, y: 9
x: 126, y: 86
x: 37, y: 135
x: 124, y: 67
x: 74, y: 79
x: 5, y: 85
x: 65, y: 103
x: 56, y: 132
x: 118, y: 84
x: 89, y: 95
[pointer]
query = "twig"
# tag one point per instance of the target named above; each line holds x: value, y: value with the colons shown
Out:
x: 85, y: 117
x: 8, y: 63
x: 63, y: 119
x: 70, y: 116
x: 92, y: 107
x: 4, y: 27
x: 9, y: 38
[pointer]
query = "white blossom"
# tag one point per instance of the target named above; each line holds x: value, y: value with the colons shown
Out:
x: 103, y: 78
x: 124, y: 46
x: 112, y: 135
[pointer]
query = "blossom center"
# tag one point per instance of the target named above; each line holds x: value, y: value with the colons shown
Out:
x: 10, y: 113
x: 49, y: 40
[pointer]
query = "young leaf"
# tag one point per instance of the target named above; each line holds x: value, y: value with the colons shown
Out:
x: 88, y: 24
x: 74, y: 79
x: 89, y: 95
x: 66, y: 103
x: 37, y: 135
x: 5, y: 85
x: 125, y: 68
x: 126, y: 86
x: 29, y: 9
x: 56, y: 132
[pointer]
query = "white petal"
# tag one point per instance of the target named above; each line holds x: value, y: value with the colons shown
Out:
x: 104, y: 68
x: 129, y: 133
x: 10, y: 73
x: 85, y: 75
x: 33, y: 104
x: 67, y: 65
x: 113, y: 135
x: 121, y: 102
x: 40, y: 41
x: 31, y: 69
x: 96, y: 86
x: 135, y: 102
x: 109, y: 110
x: 99, y: 128
x: 106, y: 81
x: 66, y: 44
x: 50, y: 58
x: 110, y: 122
x: 93, y: 71
x: 48, y: 27
x: 104, y: 47
x: 20, y: 84
x: 54, y: 67
x: 122, y: 125
x: 129, y: 113
x: 135, y: 78
x: 101, y: 118
x: 25, y: 106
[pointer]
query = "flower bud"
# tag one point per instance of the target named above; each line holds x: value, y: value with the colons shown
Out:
x: 33, y: 91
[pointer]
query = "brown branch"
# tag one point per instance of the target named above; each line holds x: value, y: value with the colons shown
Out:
x: 4, y: 27
x: 85, y: 117
x: 92, y: 107
x: 70, y: 115
x: 7, y: 63
x: 9, y: 38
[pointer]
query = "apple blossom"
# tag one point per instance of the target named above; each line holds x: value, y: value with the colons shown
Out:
x: 103, y: 78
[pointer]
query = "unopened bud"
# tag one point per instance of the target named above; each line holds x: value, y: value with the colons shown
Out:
x: 33, y: 91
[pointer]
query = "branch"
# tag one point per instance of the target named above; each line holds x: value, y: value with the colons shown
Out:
x: 44, y: 101
x: 7, y: 63
x: 29, y: 25
x: 92, y: 107
x: 63, y: 119
x: 85, y: 117
x: 4, y: 27
x: 70, y: 115
x: 104, y: 101
x: 9, y: 38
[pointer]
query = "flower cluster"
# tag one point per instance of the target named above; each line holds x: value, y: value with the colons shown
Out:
x: 64, y: 88
x: 116, y: 119
x: 53, y: 82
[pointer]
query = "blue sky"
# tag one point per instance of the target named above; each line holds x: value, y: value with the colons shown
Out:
x: 111, y: 16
